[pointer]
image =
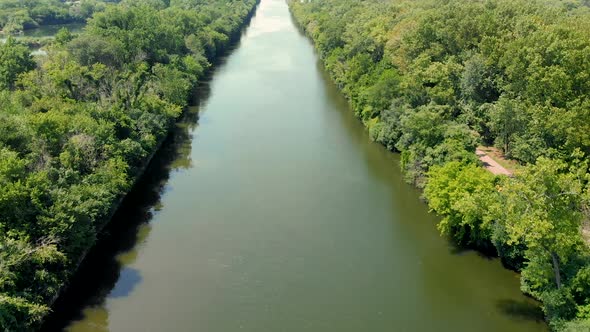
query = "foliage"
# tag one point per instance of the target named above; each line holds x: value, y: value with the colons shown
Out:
x: 542, y: 208
x: 16, y: 16
x: 14, y: 60
x: 461, y: 194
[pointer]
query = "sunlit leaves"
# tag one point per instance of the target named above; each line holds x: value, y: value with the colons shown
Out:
x: 461, y: 194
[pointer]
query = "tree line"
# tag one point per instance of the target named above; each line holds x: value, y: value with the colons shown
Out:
x: 78, y: 126
x: 433, y: 79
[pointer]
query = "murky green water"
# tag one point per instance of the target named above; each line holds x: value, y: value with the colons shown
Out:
x: 276, y: 213
x: 42, y: 33
x: 45, y: 31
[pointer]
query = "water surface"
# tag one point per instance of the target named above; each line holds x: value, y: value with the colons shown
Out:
x: 277, y: 213
x: 46, y: 31
x: 43, y: 32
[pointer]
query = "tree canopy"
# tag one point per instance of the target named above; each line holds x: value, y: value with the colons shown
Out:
x: 16, y: 16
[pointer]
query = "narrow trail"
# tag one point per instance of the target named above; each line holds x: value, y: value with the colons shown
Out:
x: 491, y: 165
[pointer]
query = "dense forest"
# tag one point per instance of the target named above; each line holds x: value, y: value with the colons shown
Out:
x: 78, y: 126
x: 433, y: 79
x: 18, y: 15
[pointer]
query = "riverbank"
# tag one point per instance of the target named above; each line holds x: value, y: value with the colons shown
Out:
x: 108, y: 136
x: 417, y: 92
x: 234, y: 37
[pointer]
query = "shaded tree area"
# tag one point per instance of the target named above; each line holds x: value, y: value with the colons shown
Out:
x: 78, y: 126
x: 433, y: 79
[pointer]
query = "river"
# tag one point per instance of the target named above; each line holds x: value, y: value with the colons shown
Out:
x: 269, y: 209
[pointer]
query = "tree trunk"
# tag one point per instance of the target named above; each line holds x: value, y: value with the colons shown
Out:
x: 555, y: 259
x: 506, y: 137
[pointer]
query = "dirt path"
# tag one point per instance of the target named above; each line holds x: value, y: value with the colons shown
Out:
x: 491, y: 165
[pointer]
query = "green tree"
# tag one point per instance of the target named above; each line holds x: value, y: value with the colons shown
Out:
x: 460, y: 194
x: 63, y: 36
x: 506, y: 120
x: 15, y: 59
x: 542, y: 209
